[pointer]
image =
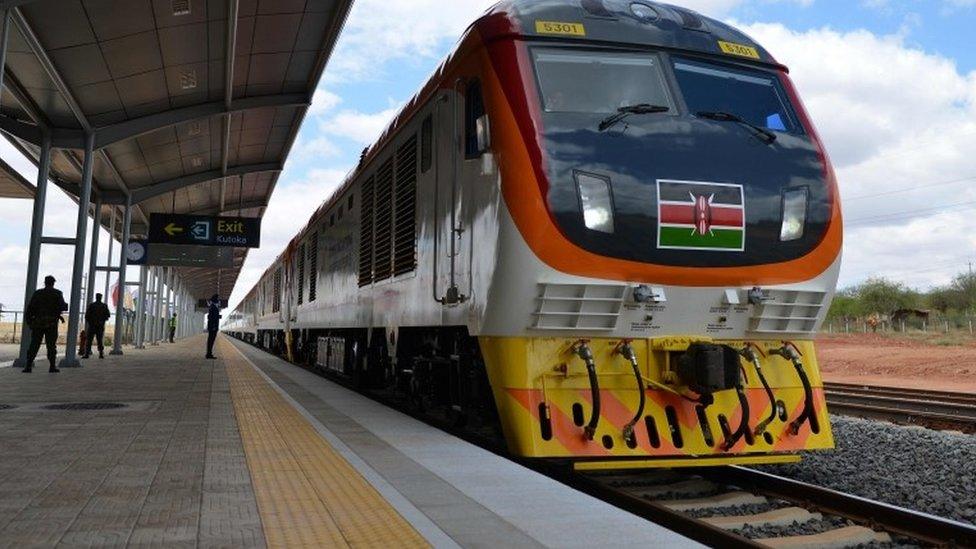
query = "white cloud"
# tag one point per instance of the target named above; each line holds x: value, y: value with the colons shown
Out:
x: 362, y: 128
x: 319, y: 148
x: 292, y: 205
x: 379, y: 31
x: 323, y: 101
x: 893, y: 117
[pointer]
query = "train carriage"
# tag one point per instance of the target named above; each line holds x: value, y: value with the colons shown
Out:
x: 607, y: 227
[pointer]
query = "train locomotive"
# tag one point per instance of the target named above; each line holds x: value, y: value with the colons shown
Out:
x: 606, y: 229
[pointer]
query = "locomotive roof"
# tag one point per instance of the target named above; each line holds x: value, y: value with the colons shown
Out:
x: 618, y: 22
x: 609, y: 22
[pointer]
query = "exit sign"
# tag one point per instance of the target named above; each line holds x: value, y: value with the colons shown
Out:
x: 197, y: 230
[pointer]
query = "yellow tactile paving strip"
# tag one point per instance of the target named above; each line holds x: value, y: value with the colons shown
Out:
x: 308, y: 495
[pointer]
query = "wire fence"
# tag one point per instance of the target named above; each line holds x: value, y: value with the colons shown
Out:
x: 963, y: 324
x: 12, y: 325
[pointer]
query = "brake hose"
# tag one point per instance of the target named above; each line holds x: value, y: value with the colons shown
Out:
x: 743, y: 429
x: 790, y: 352
x: 583, y: 351
x: 750, y: 354
x: 627, y: 351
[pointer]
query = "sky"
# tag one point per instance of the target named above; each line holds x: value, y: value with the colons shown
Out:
x: 890, y: 84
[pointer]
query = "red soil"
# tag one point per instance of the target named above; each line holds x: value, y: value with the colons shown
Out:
x: 874, y: 359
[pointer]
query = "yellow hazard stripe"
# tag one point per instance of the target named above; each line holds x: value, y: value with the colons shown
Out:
x: 307, y: 493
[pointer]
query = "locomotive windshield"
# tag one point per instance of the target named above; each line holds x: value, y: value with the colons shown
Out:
x: 599, y: 82
x: 753, y: 96
x: 720, y: 124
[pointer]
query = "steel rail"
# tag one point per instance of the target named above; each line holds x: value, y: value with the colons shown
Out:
x: 935, y: 409
x: 894, y: 519
x: 942, y: 396
x: 882, y: 516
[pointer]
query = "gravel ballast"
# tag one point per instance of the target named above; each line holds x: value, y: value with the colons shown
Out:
x: 913, y: 467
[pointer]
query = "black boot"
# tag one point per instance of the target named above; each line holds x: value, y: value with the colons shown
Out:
x: 29, y: 368
x: 53, y: 369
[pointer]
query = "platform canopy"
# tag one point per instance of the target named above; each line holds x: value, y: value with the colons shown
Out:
x: 12, y: 184
x: 194, y: 104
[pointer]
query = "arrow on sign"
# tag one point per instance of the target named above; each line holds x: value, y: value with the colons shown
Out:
x: 172, y: 229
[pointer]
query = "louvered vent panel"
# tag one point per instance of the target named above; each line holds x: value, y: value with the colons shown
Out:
x: 301, y: 274
x: 276, y: 294
x: 788, y: 312
x: 366, y: 217
x: 313, y: 266
x: 405, y: 233
x: 383, y: 258
x: 578, y: 306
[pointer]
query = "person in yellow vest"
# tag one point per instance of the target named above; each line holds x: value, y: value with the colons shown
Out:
x: 172, y: 328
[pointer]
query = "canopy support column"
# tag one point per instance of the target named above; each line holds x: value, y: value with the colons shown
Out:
x: 123, y: 264
x: 157, y: 306
x: 93, y: 256
x: 140, y: 327
x: 84, y: 201
x: 108, y: 262
x: 37, y: 233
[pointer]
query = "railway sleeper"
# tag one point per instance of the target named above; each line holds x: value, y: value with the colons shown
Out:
x: 719, y: 501
x: 776, y: 517
x: 848, y: 536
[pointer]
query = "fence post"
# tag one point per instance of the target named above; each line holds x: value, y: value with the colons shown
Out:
x: 925, y: 325
x: 946, y: 326
x: 13, y: 338
x: 847, y: 326
x: 970, y: 327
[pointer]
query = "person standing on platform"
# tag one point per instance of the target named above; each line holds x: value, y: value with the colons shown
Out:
x: 95, y: 318
x: 42, y: 315
x: 213, y: 323
x: 172, y: 328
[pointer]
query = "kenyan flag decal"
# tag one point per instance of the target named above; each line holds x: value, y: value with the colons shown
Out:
x: 700, y: 216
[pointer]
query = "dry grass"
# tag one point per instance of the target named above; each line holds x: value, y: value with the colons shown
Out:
x: 10, y: 334
x: 954, y: 338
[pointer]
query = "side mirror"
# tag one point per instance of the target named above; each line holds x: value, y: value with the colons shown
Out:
x: 483, y: 129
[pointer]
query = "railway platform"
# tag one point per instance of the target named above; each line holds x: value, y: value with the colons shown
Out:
x: 168, y: 449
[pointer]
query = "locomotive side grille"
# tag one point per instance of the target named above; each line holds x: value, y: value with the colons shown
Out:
x: 366, y: 217
x: 578, y: 306
x: 276, y: 293
x: 788, y: 312
x: 313, y: 266
x: 405, y: 222
x: 301, y: 274
x: 383, y: 258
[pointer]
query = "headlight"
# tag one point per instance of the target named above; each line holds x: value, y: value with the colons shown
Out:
x: 597, y: 202
x: 794, y: 214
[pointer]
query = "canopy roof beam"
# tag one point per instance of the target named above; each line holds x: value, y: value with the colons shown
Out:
x: 145, y: 193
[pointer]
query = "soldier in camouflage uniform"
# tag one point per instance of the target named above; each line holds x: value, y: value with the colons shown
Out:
x: 42, y: 315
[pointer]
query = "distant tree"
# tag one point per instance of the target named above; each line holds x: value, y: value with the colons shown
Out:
x: 879, y: 295
x: 944, y: 299
x: 965, y: 286
x: 844, y: 305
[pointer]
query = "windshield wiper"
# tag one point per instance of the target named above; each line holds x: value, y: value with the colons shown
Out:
x: 763, y: 134
x: 624, y: 112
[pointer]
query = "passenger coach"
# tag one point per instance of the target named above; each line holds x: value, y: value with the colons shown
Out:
x: 606, y: 228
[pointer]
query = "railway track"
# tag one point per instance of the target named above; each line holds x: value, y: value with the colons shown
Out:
x: 935, y: 409
x: 742, y: 507
x: 734, y: 506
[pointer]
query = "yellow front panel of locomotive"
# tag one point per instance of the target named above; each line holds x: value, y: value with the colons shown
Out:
x: 534, y: 378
